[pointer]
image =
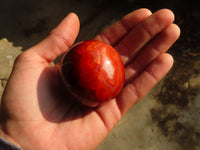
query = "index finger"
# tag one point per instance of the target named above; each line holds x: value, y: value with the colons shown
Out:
x: 113, y: 34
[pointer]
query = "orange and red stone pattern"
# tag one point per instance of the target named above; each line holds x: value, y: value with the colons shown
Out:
x: 93, y: 72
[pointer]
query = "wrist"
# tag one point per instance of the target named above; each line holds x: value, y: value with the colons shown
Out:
x: 5, y: 136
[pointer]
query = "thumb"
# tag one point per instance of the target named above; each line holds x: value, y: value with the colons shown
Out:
x: 59, y: 39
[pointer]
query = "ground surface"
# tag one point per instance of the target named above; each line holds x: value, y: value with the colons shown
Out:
x: 168, y: 117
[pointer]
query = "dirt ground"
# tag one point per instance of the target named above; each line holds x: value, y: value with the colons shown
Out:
x: 169, y: 116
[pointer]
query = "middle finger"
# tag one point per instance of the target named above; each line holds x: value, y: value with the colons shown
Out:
x: 143, y: 33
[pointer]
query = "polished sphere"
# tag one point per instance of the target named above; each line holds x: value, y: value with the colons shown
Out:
x: 93, y: 72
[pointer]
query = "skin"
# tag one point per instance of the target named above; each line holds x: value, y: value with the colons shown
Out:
x: 37, y: 114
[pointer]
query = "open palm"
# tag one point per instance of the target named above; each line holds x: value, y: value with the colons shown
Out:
x: 36, y: 113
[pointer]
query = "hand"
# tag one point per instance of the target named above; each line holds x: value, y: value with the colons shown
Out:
x: 37, y: 114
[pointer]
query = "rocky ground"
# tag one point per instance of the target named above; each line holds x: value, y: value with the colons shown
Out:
x: 8, y: 53
x: 168, y: 117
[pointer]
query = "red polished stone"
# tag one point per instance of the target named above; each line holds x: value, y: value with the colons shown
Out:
x: 93, y: 72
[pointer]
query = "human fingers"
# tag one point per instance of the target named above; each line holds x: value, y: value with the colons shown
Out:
x: 160, y: 44
x: 59, y: 39
x: 139, y: 87
x: 118, y: 30
x: 142, y: 33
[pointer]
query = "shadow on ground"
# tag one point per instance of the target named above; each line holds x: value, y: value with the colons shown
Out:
x: 168, y: 117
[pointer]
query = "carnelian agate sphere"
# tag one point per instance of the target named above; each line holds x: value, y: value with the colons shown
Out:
x: 93, y: 72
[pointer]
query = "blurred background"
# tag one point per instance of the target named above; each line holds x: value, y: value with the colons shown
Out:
x: 169, y: 116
